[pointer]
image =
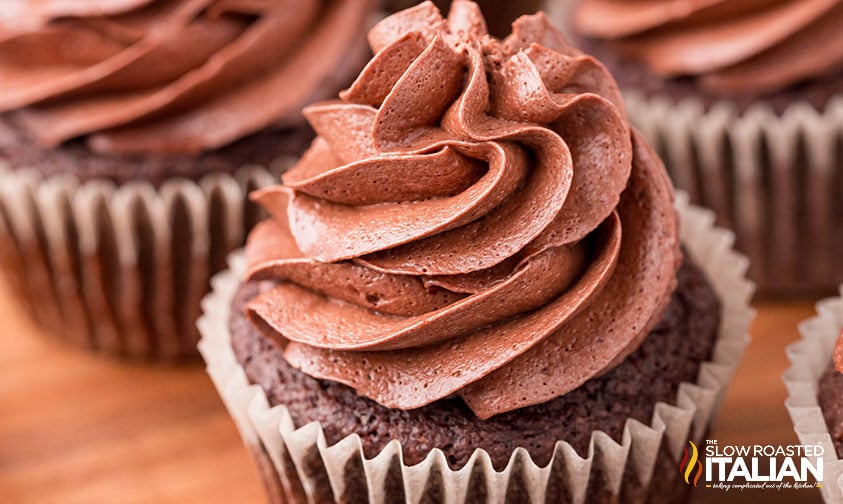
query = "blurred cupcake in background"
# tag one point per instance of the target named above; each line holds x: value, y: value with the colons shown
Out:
x: 743, y: 102
x: 130, y: 134
x: 476, y: 286
x: 499, y: 15
x: 815, y: 390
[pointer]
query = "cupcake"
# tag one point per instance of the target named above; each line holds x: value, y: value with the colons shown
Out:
x: 130, y: 134
x: 742, y: 100
x: 472, y: 287
x: 498, y: 15
x: 815, y: 390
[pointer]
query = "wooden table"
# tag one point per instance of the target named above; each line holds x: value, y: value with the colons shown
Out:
x: 78, y: 428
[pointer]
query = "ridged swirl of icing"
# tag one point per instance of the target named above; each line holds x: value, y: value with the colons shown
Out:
x: 733, y: 47
x: 475, y: 218
x: 141, y: 76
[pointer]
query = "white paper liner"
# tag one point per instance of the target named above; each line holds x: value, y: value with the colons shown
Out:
x: 122, y: 269
x: 776, y: 179
x: 810, y: 357
x: 309, y: 470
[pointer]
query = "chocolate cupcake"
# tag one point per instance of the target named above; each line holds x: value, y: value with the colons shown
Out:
x: 497, y: 15
x: 130, y: 134
x: 742, y: 100
x: 472, y: 286
x: 815, y: 390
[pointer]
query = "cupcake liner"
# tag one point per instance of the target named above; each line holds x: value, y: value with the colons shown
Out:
x: 306, y: 469
x: 775, y: 179
x: 122, y: 269
x: 810, y: 357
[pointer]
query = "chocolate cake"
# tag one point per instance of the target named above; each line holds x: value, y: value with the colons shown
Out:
x: 830, y: 395
x: 740, y: 99
x: 671, y: 354
x: 201, y: 100
x: 477, y: 254
x: 160, y: 90
x: 740, y: 53
x: 74, y: 157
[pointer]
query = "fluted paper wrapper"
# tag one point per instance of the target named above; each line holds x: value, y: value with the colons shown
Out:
x: 122, y: 269
x: 299, y: 466
x: 810, y: 357
x: 775, y: 179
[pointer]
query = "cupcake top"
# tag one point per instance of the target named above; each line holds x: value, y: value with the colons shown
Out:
x: 757, y: 46
x: 838, y: 353
x: 474, y: 219
x: 498, y: 15
x: 182, y: 76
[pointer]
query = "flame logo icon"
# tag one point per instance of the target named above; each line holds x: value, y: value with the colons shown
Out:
x: 691, y: 464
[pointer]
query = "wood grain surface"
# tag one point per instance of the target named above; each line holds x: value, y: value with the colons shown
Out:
x: 79, y: 428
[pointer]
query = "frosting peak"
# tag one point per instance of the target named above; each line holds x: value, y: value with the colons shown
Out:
x: 475, y: 218
x: 733, y: 47
x: 141, y: 76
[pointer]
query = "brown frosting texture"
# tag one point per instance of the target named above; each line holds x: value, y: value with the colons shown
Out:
x: 733, y: 47
x: 183, y: 76
x: 475, y: 218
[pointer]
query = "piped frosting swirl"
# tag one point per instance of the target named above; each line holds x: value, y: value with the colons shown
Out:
x: 732, y: 47
x: 475, y: 218
x: 183, y: 76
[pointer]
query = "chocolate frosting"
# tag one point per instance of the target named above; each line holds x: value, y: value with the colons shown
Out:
x: 732, y: 47
x: 140, y: 76
x: 475, y: 218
